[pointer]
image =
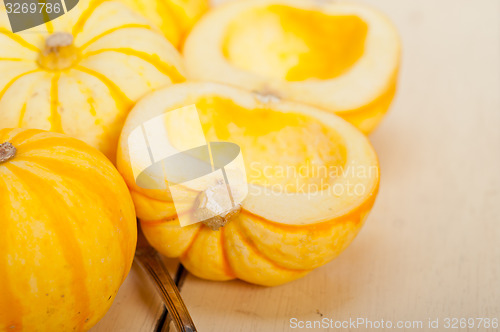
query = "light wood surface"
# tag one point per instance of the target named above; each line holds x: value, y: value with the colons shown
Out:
x: 431, y: 246
x: 137, y: 306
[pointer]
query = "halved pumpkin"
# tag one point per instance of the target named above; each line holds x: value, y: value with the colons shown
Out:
x: 312, y: 179
x: 342, y: 57
x: 81, y: 73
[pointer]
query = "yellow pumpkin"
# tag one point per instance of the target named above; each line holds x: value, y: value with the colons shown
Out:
x: 342, y: 57
x: 174, y: 17
x: 81, y: 73
x: 300, y: 163
x: 68, y: 232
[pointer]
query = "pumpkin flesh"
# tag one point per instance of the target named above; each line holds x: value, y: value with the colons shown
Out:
x: 341, y: 57
x: 278, y: 236
x: 294, y: 44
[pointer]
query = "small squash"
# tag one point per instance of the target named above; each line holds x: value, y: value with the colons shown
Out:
x: 312, y: 179
x: 68, y: 232
x: 81, y: 73
x: 342, y: 57
x: 174, y: 17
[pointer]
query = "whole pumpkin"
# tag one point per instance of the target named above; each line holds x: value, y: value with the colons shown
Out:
x: 312, y: 179
x: 81, y: 73
x: 68, y: 232
x: 175, y: 18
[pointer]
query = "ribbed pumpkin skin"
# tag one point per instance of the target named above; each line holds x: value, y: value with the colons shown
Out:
x: 119, y: 57
x: 68, y: 233
x: 175, y: 18
x: 253, y: 249
x: 252, y: 246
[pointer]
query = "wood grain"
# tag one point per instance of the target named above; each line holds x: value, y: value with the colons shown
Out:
x: 430, y: 248
x: 137, y: 306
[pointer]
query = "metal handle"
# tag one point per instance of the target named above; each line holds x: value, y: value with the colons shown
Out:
x: 152, y: 264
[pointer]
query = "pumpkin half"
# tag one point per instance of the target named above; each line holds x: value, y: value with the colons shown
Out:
x: 342, y: 57
x: 312, y: 179
x: 81, y: 73
x: 68, y: 232
x: 175, y: 18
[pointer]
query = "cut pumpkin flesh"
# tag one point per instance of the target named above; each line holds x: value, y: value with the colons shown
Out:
x: 312, y: 179
x: 340, y: 57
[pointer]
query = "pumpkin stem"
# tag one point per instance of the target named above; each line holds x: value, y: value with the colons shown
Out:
x: 266, y: 95
x: 209, y: 207
x: 7, y: 152
x: 59, y: 53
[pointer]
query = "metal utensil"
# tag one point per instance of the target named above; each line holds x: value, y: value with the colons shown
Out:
x: 147, y: 257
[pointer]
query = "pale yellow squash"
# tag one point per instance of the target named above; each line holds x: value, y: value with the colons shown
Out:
x: 312, y: 177
x: 340, y: 56
x: 81, y: 73
x: 174, y: 17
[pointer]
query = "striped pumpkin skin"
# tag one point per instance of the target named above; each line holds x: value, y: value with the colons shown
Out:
x: 116, y: 57
x: 276, y: 237
x: 175, y: 18
x: 68, y: 233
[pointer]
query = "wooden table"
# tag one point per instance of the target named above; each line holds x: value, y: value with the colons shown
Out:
x: 431, y: 246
